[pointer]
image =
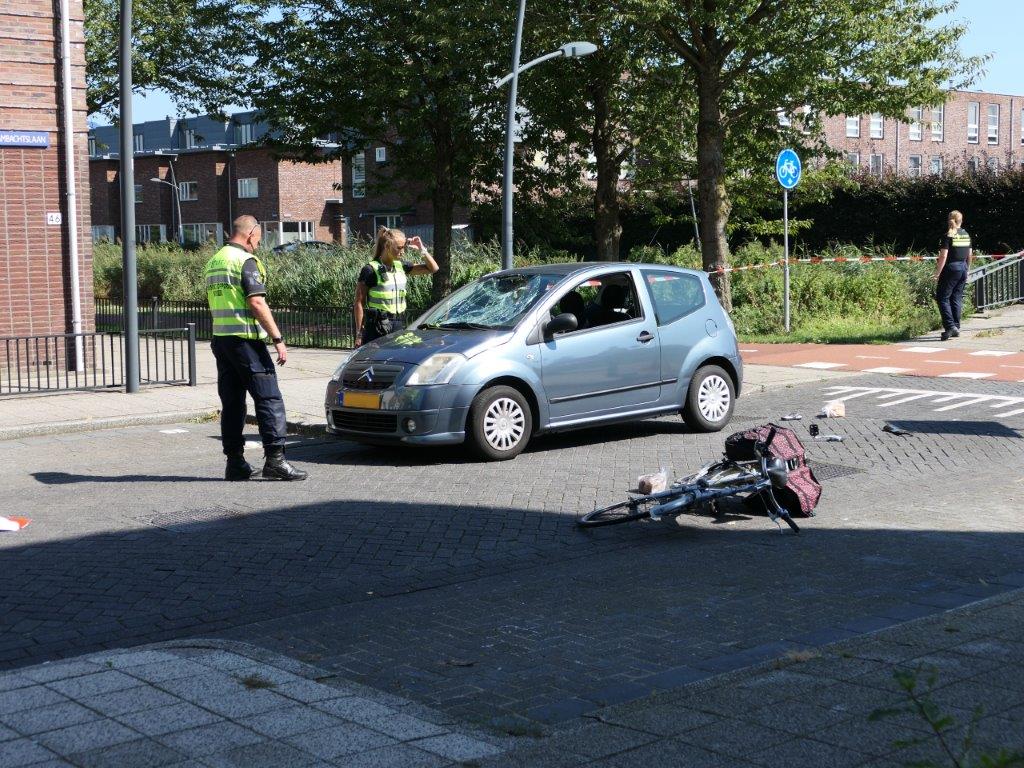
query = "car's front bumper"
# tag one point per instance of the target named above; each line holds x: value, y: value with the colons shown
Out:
x: 408, y: 415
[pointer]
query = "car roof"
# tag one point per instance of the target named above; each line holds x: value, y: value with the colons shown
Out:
x: 573, y: 267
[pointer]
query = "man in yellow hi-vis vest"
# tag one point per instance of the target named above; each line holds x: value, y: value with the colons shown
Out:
x: 382, y: 283
x: 236, y: 292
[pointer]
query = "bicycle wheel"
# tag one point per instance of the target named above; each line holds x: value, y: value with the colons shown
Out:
x: 623, y: 512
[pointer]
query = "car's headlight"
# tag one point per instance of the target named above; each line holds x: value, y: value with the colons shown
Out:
x: 341, y: 366
x: 436, y: 369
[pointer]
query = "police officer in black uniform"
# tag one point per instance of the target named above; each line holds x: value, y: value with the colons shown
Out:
x: 955, y: 255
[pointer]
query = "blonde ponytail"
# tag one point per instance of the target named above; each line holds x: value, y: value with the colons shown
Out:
x: 955, y: 220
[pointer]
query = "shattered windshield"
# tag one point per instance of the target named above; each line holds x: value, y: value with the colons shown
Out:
x: 497, y: 302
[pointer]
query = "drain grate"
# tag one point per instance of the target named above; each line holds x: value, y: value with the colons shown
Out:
x: 191, y: 520
x: 824, y: 471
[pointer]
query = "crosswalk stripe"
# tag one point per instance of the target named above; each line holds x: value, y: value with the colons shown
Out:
x: 821, y: 366
x: 890, y: 396
x: 965, y: 375
x: 980, y: 399
x: 923, y: 350
x: 1010, y: 413
x: 991, y: 353
x: 887, y: 369
x: 904, y: 400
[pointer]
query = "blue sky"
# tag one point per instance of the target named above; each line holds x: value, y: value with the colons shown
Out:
x: 994, y: 26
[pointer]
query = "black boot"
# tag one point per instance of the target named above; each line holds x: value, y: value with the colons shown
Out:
x: 276, y: 468
x: 238, y: 468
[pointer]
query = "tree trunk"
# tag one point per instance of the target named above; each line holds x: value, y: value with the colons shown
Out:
x: 443, y: 200
x: 607, y: 226
x: 715, y: 206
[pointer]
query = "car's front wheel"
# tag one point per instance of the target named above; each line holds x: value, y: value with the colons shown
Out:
x: 500, y: 423
x: 709, y: 400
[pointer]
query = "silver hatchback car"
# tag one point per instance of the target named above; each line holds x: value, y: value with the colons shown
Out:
x: 542, y: 349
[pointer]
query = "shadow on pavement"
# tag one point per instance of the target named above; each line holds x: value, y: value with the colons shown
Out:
x: 976, y: 428
x: 67, y: 478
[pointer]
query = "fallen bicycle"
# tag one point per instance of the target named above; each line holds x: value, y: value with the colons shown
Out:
x: 764, y: 465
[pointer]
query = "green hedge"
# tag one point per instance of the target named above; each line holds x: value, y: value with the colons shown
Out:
x: 829, y: 302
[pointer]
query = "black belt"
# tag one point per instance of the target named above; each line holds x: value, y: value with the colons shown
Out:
x: 376, y: 313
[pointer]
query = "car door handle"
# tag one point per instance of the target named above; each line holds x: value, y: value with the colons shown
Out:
x: 644, y: 337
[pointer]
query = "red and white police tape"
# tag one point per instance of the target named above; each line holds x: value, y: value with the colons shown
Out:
x: 844, y: 260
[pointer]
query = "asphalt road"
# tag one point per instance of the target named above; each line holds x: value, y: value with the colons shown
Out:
x: 468, y: 587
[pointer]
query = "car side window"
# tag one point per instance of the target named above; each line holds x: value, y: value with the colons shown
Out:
x: 674, y: 294
x: 602, y: 300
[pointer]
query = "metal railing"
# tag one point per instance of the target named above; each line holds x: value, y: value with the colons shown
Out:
x: 302, y: 326
x: 94, y: 361
x: 998, y: 283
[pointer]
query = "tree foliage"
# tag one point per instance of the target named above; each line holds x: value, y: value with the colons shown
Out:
x: 747, y: 60
x: 196, y: 50
x: 413, y: 76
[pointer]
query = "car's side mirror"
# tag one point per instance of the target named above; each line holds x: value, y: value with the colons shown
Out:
x: 561, y: 324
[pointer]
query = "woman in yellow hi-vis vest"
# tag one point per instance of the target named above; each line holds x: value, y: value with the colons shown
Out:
x: 382, y: 282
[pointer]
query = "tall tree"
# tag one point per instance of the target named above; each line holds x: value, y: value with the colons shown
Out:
x: 747, y: 59
x: 599, y: 122
x: 196, y: 50
x: 415, y: 76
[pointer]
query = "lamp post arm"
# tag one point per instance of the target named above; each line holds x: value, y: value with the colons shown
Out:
x: 529, y: 65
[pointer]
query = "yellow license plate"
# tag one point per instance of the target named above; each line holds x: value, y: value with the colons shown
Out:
x: 361, y: 400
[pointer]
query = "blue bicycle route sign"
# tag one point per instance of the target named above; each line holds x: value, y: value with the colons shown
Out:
x: 788, y: 168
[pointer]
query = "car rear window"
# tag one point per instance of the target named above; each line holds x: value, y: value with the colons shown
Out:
x: 674, y: 294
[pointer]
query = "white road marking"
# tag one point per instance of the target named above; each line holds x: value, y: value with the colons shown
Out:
x: 886, y: 369
x: 904, y: 400
x: 251, y: 445
x: 990, y: 353
x: 965, y: 375
x: 750, y: 350
x: 173, y: 431
x: 872, y: 357
x: 821, y: 366
x: 1005, y: 365
x: 980, y: 399
x: 892, y: 393
x: 923, y: 350
x: 945, y: 362
x: 1010, y: 413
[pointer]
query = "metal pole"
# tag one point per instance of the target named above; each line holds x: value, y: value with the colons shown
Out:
x: 785, y: 251
x: 192, y: 380
x: 67, y: 110
x: 506, y: 186
x: 131, y: 303
x: 177, y: 202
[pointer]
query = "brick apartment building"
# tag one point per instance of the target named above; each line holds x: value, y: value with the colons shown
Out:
x: 35, y: 249
x: 970, y: 131
x: 215, y: 170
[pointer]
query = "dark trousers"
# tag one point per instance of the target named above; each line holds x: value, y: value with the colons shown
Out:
x: 375, y: 326
x: 949, y: 293
x: 246, y: 366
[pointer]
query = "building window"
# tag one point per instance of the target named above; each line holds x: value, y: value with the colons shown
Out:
x: 853, y: 159
x: 877, y: 126
x: 150, y: 233
x: 935, y: 166
x: 914, y: 166
x: 938, y: 122
x: 188, y: 190
x: 973, y: 121
x: 197, y: 234
x: 188, y: 138
x: 248, y: 188
x: 103, y: 233
x: 391, y: 221
x: 138, y: 194
x: 916, y: 119
x: 92, y: 146
x: 973, y: 165
x: 877, y: 163
x: 243, y: 135
x: 992, y: 164
x: 853, y: 127
x: 359, y: 175
x: 296, y: 230
x: 784, y: 119
x: 139, y: 142
x: 993, y: 123
x: 381, y: 154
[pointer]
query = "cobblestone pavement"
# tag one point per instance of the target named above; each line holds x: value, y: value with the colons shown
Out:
x: 466, y: 587
x: 216, y: 705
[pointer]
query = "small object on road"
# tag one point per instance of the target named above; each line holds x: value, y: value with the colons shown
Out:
x: 890, y: 427
x: 792, y: 417
x: 13, y: 523
x: 834, y: 410
x: 459, y: 663
x: 653, y: 482
x: 829, y: 438
x: 814, y: 430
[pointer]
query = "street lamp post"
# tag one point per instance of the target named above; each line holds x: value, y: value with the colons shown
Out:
x: 569, y: 50
x: 177, y: 200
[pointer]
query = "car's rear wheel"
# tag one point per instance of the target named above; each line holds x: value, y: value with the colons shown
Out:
x: 500, y: 423
x: 709, y: 400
